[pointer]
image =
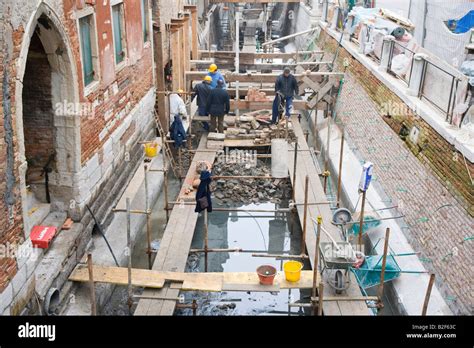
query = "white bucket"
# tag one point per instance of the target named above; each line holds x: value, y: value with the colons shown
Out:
x: 279, y: 158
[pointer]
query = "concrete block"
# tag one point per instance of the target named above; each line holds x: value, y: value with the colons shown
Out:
x: 33, y: 261
x: 19, y: 280
x: 92, y: 165
x: 23, y: 297
x: 6, y: 297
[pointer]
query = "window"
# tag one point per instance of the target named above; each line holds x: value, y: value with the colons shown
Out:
x: 145, y: 20
x: 119, y: 32
x: 88, y: 48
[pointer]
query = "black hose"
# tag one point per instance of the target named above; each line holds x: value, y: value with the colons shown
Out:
x: 99, y: 227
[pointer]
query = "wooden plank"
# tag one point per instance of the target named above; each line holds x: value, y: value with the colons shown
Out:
x: 174, y: 247
x: 306, y: 166
x: 193, y: 281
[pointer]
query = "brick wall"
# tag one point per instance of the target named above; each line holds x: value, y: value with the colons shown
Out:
x: 431, y: 149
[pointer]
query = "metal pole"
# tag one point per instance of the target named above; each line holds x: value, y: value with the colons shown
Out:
x: 316, y: 260
x: 148, y: 219
x: 339, y: 179
x: 206, y: 240
x: 165, y: 179
x: 91, y: 285
x: 180, y: 160
x: 294, y: 170
x: 237, y: 58
x: 384, y: 263
x: 315, y: 131
x: 305, y: 215
x: 320, y: 305
x: 361, y: 222
x: 428, y: 294
x: 129, y: 250
x: 326, y: 158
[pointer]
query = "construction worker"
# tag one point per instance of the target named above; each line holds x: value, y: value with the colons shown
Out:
x: 287, y: 86
x: 202, y: 91
x: 215, y: 76
x: 177, y: 106
x: 218, y: 105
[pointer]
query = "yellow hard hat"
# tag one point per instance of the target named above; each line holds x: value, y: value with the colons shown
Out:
x: 212, y: 68
x: 208, y: 78
x: 180, y: 91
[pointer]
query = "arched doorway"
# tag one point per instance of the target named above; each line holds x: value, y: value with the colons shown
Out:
x: 48, y: 128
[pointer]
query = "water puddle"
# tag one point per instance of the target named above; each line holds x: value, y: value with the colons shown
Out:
x: 253, y: 232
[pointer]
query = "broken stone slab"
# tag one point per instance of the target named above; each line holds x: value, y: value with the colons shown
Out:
x: 216, y: 136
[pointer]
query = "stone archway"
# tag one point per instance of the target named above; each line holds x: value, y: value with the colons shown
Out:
x: 47, y: 130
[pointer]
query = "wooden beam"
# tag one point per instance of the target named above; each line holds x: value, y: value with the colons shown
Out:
x: 257, y: 105
x: 251, y: 1
x: 252, y: 56
x: 201, y: 65
x: 194, y: 30
x: 260, y: 78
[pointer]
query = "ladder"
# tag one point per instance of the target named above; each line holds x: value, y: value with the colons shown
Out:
x: 166, y: 147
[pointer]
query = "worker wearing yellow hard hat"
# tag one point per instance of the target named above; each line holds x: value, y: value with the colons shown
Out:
x: 215, y: 75
x: 202, y: 91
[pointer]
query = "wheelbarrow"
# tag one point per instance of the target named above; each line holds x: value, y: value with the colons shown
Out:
x: 336, y: 262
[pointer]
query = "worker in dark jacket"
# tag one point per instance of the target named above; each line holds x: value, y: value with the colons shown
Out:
x: 202, y: 91
x: 204, y: 193
x: 218, y: 105
x: 287, y: 86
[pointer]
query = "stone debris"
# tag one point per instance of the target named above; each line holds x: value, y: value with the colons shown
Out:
x: 236, y: 192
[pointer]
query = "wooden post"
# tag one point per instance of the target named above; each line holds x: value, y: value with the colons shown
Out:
x: 194, y: 32
x: 315, y: 131
x: 361, y: 223
x: 294, y: 170
x: 339, y: 178
x: 129, y: 250
x: 384, y: 263
x: 91, y: 285
x: 320, y: 297
x: 305, y: 214
x: 206, y: 240
x: 148, y: 219
x: 328, y: 144
x: 180, y: 164
x: 165, y: 184
x: 316, y: 262
x: 428, y: 294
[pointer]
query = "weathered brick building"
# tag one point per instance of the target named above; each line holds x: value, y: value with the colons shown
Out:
x: 78, y: 94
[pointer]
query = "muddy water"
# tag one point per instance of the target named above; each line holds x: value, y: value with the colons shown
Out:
x: 117, y: 305
x: 261, y: 232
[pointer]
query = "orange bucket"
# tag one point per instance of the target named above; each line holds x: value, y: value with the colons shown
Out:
x: 266, y: 274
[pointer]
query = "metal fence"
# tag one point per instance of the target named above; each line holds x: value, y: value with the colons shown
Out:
x: 395, y: 50
x: 435, y: 76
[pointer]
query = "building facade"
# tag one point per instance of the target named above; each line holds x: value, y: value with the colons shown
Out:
x: 78, y: 95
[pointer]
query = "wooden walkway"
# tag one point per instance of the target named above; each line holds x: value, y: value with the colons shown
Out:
x: 174, y: 248
x: 194, y: 281
x: 305, y: 166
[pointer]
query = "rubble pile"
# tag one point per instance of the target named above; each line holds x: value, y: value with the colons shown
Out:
x: 257, y: 126
x: 238, y: 191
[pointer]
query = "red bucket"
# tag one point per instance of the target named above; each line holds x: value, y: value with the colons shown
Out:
x: 266, y: 274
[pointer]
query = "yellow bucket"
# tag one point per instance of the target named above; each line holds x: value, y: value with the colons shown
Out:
x: 292, y: 270
x: 151, y: 149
